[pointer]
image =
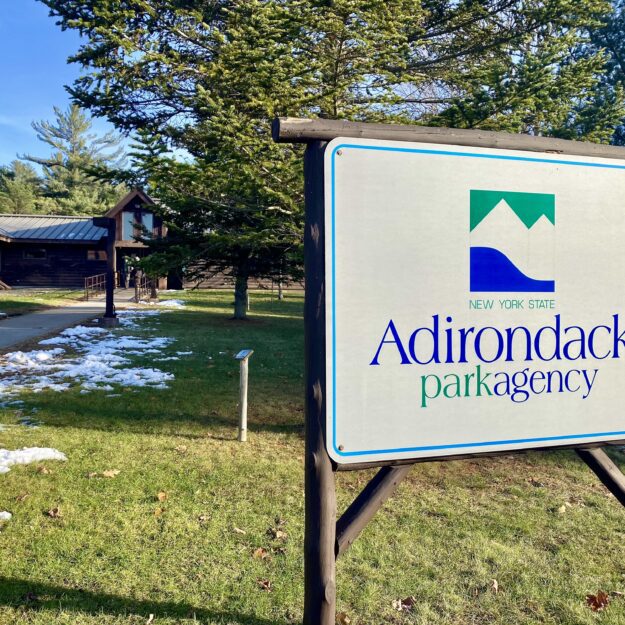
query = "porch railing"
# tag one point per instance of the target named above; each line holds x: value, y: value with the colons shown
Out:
x: 96, y: 285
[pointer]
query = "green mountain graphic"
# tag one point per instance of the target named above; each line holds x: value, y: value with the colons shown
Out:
x: 528, y: 207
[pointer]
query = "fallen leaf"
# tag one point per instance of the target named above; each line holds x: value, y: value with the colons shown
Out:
x: 494, y: 585
x: 598, y: 602
x: 203, y: 518
x: 237, y: 530
x: 265, y: 584
x: 159, y: 511
x: 260, y: 554
x: 562, y: 509
x: 534, y: 482
x: 43, y: 470
x: 162, y: 496
x: 277, y: 533
x: 110, y: 473
x: 343, y: 619
x: 22, y: 497
x: 404, y: 605
x: 181, y: 449
x: 55, y: 513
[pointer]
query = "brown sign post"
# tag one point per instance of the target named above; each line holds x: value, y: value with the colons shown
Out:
x: 326, y: 538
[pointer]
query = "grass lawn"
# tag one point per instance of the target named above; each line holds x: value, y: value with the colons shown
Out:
x: 224, y: 546
x: 20, y: 301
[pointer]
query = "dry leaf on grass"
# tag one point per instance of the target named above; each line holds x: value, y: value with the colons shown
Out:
x: 264, y: 584
x: 54, y: 513
x: 203, y: 518
x: 494, y: 585
x: 181, y: 449
x: 260, y: 554
x: 159, y: 511
x: 598, y: 602
x: 238, y: 530
x: 43, y: 470
x: 162, y: 496
x: 22, y: 497
x: 343, y: 619
x: 110, y: 473
x: 404, y: 605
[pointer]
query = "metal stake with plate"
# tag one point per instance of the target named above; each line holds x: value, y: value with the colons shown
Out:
x: 243, y: 357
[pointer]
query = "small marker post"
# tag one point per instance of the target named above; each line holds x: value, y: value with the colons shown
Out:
x: 243, y: 357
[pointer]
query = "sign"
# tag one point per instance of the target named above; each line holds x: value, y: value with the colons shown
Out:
x: 475, y: 300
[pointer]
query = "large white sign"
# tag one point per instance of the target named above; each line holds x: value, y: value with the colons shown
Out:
x: 475, y: 300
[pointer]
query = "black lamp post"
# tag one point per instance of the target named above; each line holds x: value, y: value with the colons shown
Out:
x: 109, y: 319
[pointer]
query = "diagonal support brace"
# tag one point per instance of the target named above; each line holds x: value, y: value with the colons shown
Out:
x: 364, y: 507
x: 609, y: 474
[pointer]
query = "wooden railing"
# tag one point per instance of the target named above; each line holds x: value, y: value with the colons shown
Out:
x: 143, y: 287
x: 95, y: 285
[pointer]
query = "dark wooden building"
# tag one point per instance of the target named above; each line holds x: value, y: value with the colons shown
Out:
x: 50, y: 251
x: 56, y: 251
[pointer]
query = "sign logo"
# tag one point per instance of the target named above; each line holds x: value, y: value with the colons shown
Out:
x: 512, y: 241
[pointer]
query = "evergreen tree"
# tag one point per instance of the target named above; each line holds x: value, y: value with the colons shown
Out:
x: 20, y: 189
x: 610, y: 39
x: 70, y: 183
x: 208, y: 76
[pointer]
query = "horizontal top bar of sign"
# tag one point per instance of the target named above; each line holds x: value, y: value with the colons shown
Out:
x: 296, y: 130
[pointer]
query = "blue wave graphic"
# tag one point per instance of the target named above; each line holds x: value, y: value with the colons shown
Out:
x: 492, y: 271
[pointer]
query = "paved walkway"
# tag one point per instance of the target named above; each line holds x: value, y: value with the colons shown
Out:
x: 22, y: 328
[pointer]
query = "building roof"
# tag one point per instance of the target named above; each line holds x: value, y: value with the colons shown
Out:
x: 127, y: 199
x: 54, y: 228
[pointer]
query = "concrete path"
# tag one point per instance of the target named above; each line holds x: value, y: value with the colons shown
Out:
x: 22, y: 328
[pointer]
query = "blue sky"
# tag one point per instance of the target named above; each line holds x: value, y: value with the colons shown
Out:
x: 33, y: 70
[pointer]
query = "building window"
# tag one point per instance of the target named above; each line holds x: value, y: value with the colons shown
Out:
x: 148, y: 223
x: 132, y: 223
x: 128, y: 225
x: 35, y: 254
x: 96, y: 255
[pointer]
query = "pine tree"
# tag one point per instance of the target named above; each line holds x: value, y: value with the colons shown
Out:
x: 20, y: 189
x: 208, y: 76
x: 69, y: 180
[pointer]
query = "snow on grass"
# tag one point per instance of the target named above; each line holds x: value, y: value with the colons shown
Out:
x: 27, y: 455
x: 171, y: 303
x: 90, y: 357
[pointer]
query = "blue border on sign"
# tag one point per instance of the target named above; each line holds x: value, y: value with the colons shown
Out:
x: 504, y: 157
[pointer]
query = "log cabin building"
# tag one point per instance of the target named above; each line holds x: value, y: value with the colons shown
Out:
x: 57, y: 251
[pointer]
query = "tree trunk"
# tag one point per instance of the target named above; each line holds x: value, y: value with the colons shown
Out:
x: 240, y: 297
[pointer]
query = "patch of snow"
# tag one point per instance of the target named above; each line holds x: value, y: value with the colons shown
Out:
x: 27, y: 455
x: 172, y: 303
x: 5, y: 516
x: 183, y: 353
x: 93, y: 358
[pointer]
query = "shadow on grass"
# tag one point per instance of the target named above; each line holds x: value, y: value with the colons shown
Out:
x: 36, y: 596
x: 261, y: 302
x: 107, y: 416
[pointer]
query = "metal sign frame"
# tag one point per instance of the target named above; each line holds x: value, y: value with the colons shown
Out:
x: 326, y: 538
